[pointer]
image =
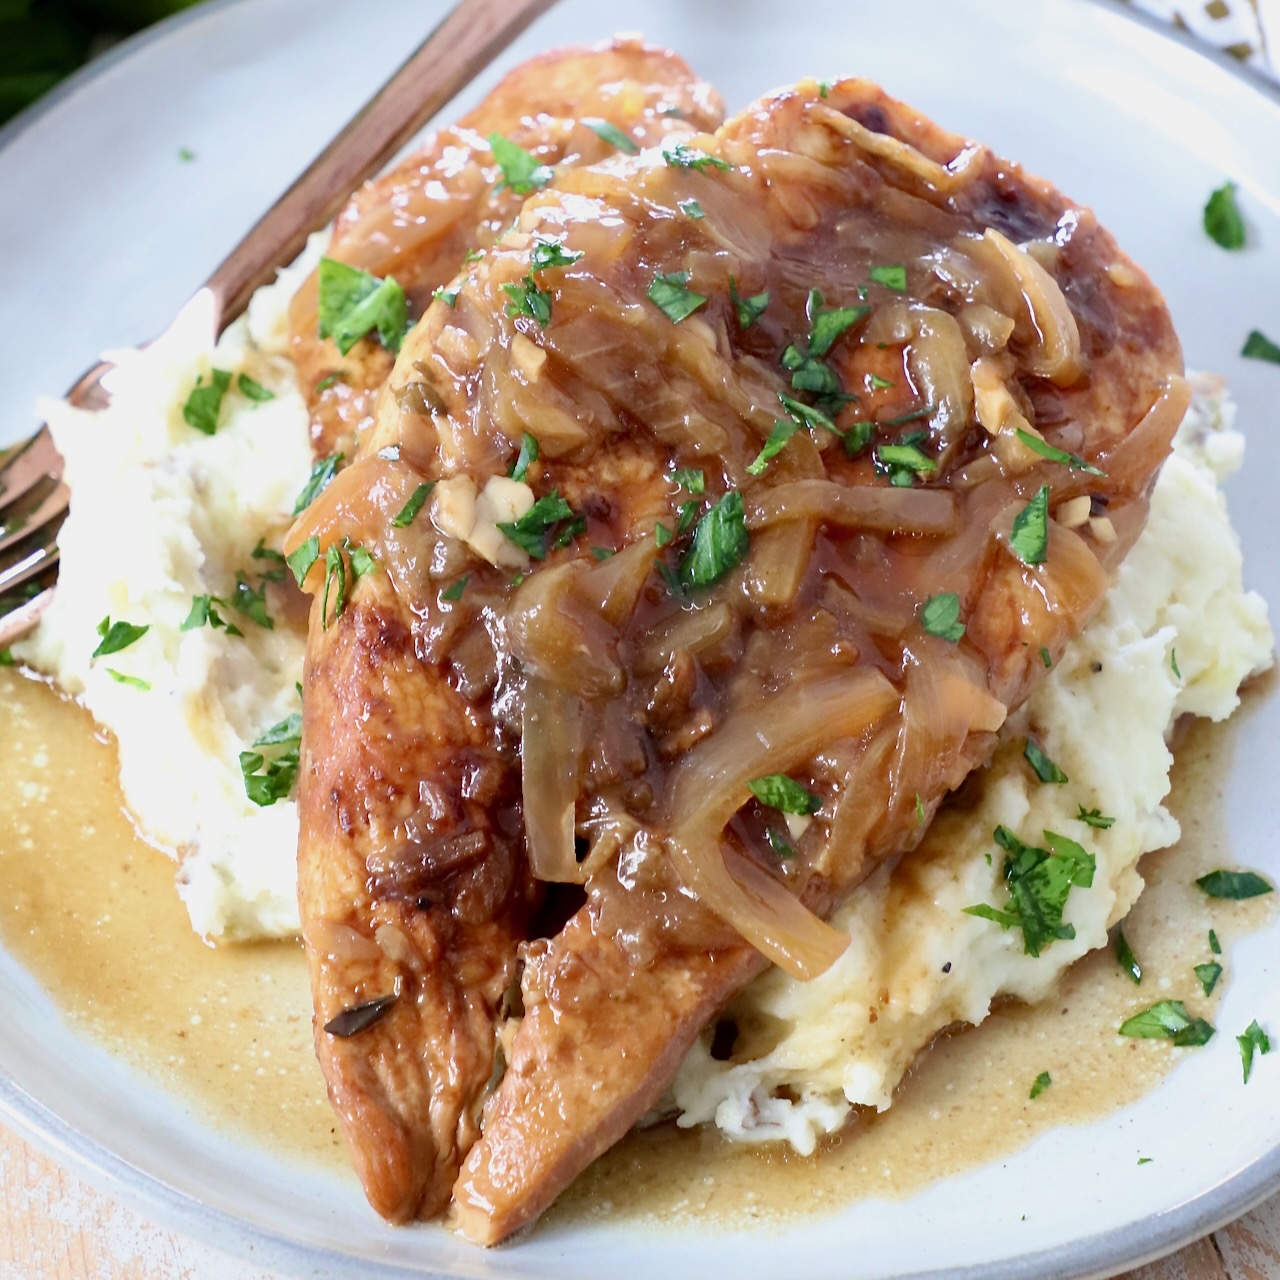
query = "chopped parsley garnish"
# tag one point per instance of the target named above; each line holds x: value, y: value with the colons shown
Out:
x: 892, y: 277
x: 1173, y: 663
x: 448, y: 296
x: 302, y: 557
x: 134, y: 682
x: 114, y: 636
x: 902, y: 463
x: 919, y: 809
x: 454, y: 591
x: 682, y: 156
x: 1208, y: 974
x: 204, y: 612
x: 1094, y: 818
x: 1257, y: 346
x: 662, y: 534
x: 205, y: 401
x: 253, y: 390
x: 1144, y: 1159
x: 688, y: 514
x: 672, y: 296
x: 858, y: 437
x: 1254, y: 1041
x: 808, y: 373
x: 335, y: 580
x: 329, y: 380
x: 940, y: 616
x: 186, y: 155
x: 1045, y: 656
x: 783, y: 430
x: 1214, y: 945
x: 1029, y: 539
x: 611, y: 134
x: 782, y: 793
x: 824, y: 88
x: 1234, y: 884
x: 778, y: 843
x: 472, y: 255
x: 690, y: 209
x: 532, y: 530
x: 877, y: 383
x: 1039, y: 1085
x: 551, y: 253
x: 411, y: 508
x: 1222, y: 219
x: 603, y: 553
x: 528, y: 454
x: 1046, y: 450
x: 1168, y: 1020
x: 252, y: 604
x: 526, y: 299
x: 806, y: 415
x: 749, y: 310
x: 826, y: 324
x: 521, y: 171
x: 273, y: 557
x: 720, y: 542
x: 351, y: 1022
x: 353, y: 303
x: 1045, y: 769
x: 1128, y: 961
x: 268, y: 771
x: 1039, y: 881
x: 690, y: 479
x: 6, y: 657
x: 362, y: 562
x: 321, y: 473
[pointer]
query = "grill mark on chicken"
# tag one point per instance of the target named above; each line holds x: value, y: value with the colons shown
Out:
x: 816, y: 652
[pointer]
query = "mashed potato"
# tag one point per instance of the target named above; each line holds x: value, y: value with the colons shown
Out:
x: 1177, y: 634
x: 163, y: 513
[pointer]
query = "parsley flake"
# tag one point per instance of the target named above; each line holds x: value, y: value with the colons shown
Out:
x: 353, y: 303
x: 454, y: 591
x: 531, y: 531
x: 1094, y: 818
x: 826, y: 324
x: 205, y: 401
x: 778, y: 843
x: 335, y: 580
x: 273, y: 557
x: 1045, y: 769
x: 252, y: 604
x: 1070, y: 460
x: 1168, y: 1020
x: 940, y: 616
x: 748, y: 310
x: 406, y: 514
x: 526, y: 299
x: 134, y: 682
x: 270, y: 769
x: 1208, y: 974
x: 671, y: 295
x: 114, y: 636
x: 892, y: 277
x: 1254, y: 1041
x: 611, y: 134
x: 362, y: 562
x: 691, y: 479
x: 521, y: 171
x: 1234, y: 885
x: 302, y: 557
x: 1223, y: 222
x: 253, y: 390
x: 1214, y: 945
x: 204, y: 612
x: 448, y: 296
x: 1257, y: 346
x: 690, y: 209
x: 720, y: 542
x: 321, y: 473
x: 1039, y: 1085
x: 1029, y: 538
x: 1127, y: 960
x: 783, y: 430
x: 662, y: 535
x: 528, y: 454
x: 681, y: 155
x: 1045, y: 656
x: 780, y: 792
x: 551, y: 253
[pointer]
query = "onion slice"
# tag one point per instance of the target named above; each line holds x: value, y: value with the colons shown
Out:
x: 883, y: 508
x: 550, y: 760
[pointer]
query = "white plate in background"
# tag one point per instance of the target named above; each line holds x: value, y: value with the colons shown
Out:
x: 104, y: 231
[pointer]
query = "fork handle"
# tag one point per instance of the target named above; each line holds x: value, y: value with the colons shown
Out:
x: 469, y: 38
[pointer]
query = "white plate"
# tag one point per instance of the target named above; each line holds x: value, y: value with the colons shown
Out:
x: 104, y: 232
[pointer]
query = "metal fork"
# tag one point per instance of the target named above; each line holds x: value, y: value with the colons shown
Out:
x: 33, y: 498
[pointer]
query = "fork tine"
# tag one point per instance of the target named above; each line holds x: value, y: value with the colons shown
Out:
x: 42, y: 503
x: 42, y: 556
x: 27, y: 465
x: 17, y: 620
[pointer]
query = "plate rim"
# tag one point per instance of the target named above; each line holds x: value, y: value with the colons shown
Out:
x: 1091, y: 1257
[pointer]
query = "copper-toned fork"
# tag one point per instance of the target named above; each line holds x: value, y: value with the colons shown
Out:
x: 33, y: 498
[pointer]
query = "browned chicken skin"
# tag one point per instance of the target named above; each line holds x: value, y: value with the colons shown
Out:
x: 594, y: 718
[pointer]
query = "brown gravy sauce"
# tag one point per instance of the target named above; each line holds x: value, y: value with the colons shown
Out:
x: 90, y: 909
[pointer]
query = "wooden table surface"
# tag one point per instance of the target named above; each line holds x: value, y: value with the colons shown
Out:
x: 56, y: 1227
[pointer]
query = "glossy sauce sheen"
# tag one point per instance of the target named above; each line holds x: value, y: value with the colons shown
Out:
x: 90, y: 909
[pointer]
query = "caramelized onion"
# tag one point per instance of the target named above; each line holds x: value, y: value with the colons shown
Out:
x: 779, y: 562
x: 550, y: 762
x: 943, y: 179
x: 886, y: 509
x: 690, y: 631
x: 1131, y: 462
